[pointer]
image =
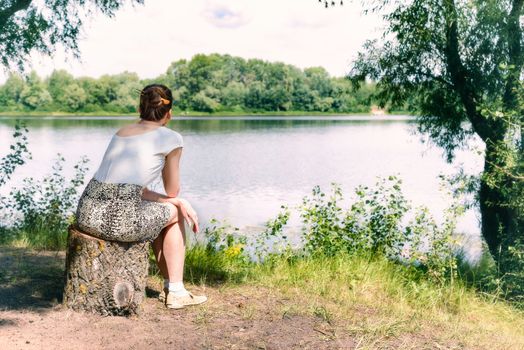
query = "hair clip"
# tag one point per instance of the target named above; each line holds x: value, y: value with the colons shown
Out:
x: 164, y: 101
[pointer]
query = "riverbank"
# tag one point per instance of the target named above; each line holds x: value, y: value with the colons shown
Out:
x: 337, y: 303
x: 196, y: 114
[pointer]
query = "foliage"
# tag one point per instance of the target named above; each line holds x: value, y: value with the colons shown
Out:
x: 18, y: 155
x: 11, y: 91
x: 376, y: 225
x: 39, y: 26
x: 219, y: 238
x: 206, y: 83
x: 273, y: 241
x: 510, y: 283
x: 372, y: 223
x: 34, y: 93
x: 43, y: 208
x: 457, y: 64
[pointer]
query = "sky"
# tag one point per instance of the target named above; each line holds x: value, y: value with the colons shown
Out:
x: 146, y: 38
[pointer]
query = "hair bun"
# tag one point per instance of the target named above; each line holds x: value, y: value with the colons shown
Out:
x: 155, y: 101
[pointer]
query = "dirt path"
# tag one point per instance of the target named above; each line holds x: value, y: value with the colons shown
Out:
x: 240, y: 317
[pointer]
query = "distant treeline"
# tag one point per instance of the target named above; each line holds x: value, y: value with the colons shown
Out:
x: 206, y: 83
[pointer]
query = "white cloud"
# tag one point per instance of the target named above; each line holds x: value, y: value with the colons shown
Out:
x: 225, y: 16
x: 146, y: 39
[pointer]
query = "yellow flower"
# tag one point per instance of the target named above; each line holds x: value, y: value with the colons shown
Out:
x: 234, y: 250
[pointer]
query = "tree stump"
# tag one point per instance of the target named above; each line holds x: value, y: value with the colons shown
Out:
x: 105, y: 277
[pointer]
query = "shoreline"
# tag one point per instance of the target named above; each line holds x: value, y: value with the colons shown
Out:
x: 178, y: 114
x: 303, y: 117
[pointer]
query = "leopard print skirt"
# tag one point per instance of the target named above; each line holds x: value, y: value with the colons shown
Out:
x: 117, y: 212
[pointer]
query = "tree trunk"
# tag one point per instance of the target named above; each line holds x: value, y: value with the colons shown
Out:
x: 105, y: 277
x: 498, y: 218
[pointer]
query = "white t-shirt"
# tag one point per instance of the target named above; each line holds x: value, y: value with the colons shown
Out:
x: 137, y: 159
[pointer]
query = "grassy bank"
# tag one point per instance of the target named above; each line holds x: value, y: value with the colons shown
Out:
x: 357, y: 301
x: 377, y: 302
x: 342, y: 302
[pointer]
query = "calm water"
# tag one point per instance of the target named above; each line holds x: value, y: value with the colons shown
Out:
x: 243, y: 169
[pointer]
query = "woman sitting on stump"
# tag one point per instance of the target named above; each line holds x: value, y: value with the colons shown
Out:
x: 116, y: 205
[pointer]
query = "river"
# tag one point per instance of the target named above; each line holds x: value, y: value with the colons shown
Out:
x: 242, y: 169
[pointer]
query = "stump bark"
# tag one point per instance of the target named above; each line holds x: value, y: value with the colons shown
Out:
x: 105, y: 277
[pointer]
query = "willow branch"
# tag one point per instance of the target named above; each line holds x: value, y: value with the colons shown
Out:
x: 505, y: 171
x: 16, y: 6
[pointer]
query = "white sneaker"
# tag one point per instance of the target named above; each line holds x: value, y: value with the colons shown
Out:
x: 179, y: 302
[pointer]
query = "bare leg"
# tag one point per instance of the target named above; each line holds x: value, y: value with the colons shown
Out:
x: 157, y: 245
x: 174, y: 253
x: 174, y: 250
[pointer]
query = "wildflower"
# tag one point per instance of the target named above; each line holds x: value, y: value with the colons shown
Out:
x: 234, y: 250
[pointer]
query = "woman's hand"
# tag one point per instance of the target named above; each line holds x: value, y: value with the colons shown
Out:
x: 187, y: 211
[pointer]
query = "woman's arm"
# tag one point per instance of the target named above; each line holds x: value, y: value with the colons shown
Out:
x: 171, y: 179
x: 183, y: 205
x: 153, y: 196
x: 171, y: 172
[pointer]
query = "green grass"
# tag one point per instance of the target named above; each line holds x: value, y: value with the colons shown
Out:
x: 379, y: 303
x: 40, y: 237
x: 374, y: 299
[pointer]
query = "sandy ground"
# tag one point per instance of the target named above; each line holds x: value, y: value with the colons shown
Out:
x: 240, y: 317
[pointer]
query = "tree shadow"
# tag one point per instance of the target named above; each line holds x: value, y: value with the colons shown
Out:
x: 7, y: 322
x: 152, y: 293
x: 34, y: 280
x: 30, y: 280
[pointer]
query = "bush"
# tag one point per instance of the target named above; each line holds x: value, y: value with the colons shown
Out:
x: 376, y: 225
x: 18, y: 155
x: 43, y: 209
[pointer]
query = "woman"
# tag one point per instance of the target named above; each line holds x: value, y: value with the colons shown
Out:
x: 117, y: 205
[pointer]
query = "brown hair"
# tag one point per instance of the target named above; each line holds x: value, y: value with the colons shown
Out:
x: 155, y: 101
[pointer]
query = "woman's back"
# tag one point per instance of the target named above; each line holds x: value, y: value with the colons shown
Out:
x: 137, y: 158
x: 113, y: 206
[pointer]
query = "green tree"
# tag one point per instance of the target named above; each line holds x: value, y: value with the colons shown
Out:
x: 256, y: 97
x: 233, y: 94
x: 11, y: 91
x: 303, y: 98
x: 126, y: 88
x: 75, y: 98
x: 202, y: 101
x: 458, y: 61
x: 96, y: 90
x: 35, y: 94
x: 318, y: 79
x: 203, y: 68
x: 209, y: 83
x: 57, y: 84
x: 30, y: 25
x: 67, y: 93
